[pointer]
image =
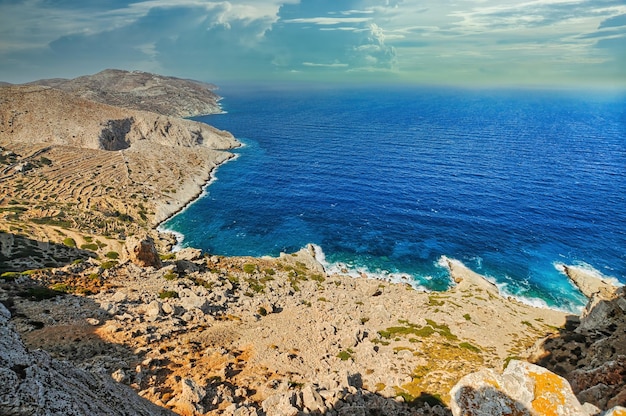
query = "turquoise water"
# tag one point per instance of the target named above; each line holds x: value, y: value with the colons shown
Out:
x: 387, y: 182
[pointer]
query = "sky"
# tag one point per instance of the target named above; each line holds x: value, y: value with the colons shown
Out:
x: 429, y: 42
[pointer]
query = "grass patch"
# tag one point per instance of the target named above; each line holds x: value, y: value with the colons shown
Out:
x: 170, y: 276
x: 434, y: 301
x: 167, y: 256
x: 413, y: 329
x: 468, y: 346
x: 10, y: 276
x: 249, y: 268
x: 105, y: 265
x: 69, y: 242
x: 346, y: 355
x: 168, y: 294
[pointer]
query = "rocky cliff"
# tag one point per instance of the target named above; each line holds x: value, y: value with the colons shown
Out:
x: 590, y: 352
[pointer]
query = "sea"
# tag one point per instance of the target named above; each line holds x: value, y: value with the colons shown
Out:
x: 390, y: 182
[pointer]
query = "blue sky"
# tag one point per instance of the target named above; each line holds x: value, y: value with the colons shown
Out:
x: 453, y: 42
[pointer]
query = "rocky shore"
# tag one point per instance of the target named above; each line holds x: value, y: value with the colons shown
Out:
x: 99, y: 317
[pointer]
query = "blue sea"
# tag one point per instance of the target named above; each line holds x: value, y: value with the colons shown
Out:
x: 389, y: 181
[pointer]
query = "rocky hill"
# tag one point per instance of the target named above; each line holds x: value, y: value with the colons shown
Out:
x: 68, y: 164
x: 138, y: 90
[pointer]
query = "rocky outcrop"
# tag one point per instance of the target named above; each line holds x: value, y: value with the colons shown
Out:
x: 590, y: 352
x: 142, y: 251
x: 33, y: 383
x: 138, y: 90
x: 522, y: 389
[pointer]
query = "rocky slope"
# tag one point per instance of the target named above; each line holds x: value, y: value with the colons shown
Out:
x: 138, y: 90
x: 591, y: 352
x: 33, y: 383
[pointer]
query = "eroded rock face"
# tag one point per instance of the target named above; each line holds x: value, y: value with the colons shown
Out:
x: 142, y: 251
x: 522, y: 389
x: 32, y: 383
x: 592, y: 353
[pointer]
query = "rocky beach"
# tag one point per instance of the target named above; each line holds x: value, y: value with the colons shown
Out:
x: 99, y: 316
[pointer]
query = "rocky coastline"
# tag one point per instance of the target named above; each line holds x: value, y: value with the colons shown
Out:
x: 90, y: 291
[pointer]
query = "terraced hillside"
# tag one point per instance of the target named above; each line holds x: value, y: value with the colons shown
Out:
x: 71, y: 167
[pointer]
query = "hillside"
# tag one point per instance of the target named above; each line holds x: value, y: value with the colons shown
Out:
x: 68, y: 164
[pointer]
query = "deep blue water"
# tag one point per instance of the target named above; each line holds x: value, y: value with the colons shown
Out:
x: 511, y: 183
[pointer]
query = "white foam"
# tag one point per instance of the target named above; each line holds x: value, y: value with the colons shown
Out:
x: 351, y: 270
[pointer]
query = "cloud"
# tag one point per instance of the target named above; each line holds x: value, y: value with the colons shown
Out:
x: 432, y: 41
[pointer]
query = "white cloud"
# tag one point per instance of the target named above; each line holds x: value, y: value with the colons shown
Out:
x: 329, y: 20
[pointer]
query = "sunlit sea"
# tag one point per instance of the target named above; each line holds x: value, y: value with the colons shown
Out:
x: 388, y: 181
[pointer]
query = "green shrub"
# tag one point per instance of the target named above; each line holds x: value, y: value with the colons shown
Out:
x: 105, y: 265
x: 345, y: 355
x: 167, y: 294
x: 249, y: 268
x: 39, y: 293
x: 62, y: 287
x: 269, y: 271
x: 170, y: 276
x: 113, y: 255
x: 90, y: 246
x: 262, y: 311
x: 167, y: 256
x: 69, y: 242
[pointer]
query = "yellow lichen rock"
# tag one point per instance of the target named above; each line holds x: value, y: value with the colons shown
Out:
x: 523, y: 389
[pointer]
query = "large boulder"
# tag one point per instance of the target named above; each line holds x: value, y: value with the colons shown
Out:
x: 142, y: 251
x: 522, y: 389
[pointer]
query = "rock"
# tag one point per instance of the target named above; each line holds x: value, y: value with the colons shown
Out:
x: 142, y: 251
x: 189, y: 301
x: 191, y: 397
x: 312, y: 400
x: 589, y: 283
x: 616, y: 411
x: 153, y: 311
x: 601, y: 313
x: 189, y: 254
x: 522, y: 389
x: 280, y: 404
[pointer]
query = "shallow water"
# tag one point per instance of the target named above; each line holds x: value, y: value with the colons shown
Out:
x: 511, y: 183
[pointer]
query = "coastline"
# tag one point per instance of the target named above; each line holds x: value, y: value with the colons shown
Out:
x: 204, y: 334
x: 186, y: 202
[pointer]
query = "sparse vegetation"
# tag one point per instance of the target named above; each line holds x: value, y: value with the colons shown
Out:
x: 69, y: 242
x: 346, y: 355
x: 167, y: 294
